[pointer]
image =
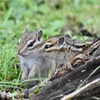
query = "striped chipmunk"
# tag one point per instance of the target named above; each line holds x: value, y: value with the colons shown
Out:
x: 60, y: 48
x: 32, y: 62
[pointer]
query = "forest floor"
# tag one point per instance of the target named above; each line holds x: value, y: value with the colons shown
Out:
x: 53, y: 17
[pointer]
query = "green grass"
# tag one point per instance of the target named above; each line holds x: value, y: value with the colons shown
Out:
x: 49, y: 15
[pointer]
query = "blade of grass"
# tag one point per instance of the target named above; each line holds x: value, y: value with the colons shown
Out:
x: 10, y: 86
x: 17, y: 82
x: 88, y: 77
x: 7, y: 16
x: 83, y: 38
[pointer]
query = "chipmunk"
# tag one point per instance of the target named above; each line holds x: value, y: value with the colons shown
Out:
x: 60, y: 48
x: 31, y: 60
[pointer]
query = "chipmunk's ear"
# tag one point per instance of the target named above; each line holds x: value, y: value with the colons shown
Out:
x: 68, y: 36
x: 61, y: 40
x: 26, y: 30
x: 39, y: 34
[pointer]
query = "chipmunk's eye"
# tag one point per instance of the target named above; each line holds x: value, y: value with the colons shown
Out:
x: 30, y: 44
x: 48, y: 46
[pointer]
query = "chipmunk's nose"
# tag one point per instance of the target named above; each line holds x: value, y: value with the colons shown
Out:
x: 19, y: 52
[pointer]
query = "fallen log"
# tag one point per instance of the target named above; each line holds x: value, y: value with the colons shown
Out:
x: 70, y: 82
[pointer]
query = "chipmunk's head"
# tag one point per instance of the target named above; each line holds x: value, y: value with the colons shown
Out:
x: 28, y: 41
x: 54, y: 44
x: 53, y: 47
x: 56, y: 48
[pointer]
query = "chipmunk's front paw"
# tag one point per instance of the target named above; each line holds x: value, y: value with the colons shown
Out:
x: 31, y: 73
x: 24, y: 77
x: 29, y: 77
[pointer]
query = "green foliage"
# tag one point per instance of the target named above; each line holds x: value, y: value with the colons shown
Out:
x: 49, y: 15
x: 37, y: 91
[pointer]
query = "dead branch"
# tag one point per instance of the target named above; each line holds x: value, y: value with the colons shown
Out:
x: 81, y: 90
